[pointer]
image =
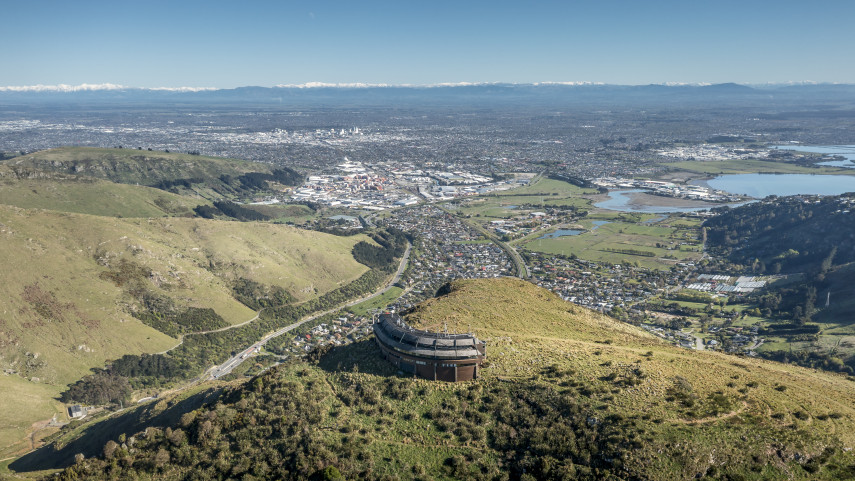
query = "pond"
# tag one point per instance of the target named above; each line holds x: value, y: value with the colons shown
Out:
x: 561, y: 233
x: 569, y: 232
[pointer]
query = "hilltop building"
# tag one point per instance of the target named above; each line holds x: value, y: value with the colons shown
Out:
x: 431, y: 355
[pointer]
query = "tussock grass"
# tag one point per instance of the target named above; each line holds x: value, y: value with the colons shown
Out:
x: 91, y: 196
x: 567, y: 392
x: 529, y: 329
x: 60, y: 315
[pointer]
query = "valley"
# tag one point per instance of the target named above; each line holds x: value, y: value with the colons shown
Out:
x: 146, y: 285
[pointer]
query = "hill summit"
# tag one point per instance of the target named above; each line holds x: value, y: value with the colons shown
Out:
x: 568, y: 394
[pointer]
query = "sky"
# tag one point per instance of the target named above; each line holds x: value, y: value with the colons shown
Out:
x: 228, y: 44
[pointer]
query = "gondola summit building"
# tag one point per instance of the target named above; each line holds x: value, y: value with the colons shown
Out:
x: 432, y: 355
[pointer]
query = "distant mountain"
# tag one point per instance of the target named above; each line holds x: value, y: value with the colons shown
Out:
x: 458, y: 94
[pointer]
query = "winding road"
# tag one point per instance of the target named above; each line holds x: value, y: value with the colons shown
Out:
x: 401, y: 268
x: 236, y: 360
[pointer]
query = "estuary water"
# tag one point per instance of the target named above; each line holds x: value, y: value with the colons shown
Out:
x: 762, y: 185
x: 845, y: 151
x: 621, y: 200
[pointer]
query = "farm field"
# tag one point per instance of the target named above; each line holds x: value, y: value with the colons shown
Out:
x: 754, y: 166
x: 543, y: 193
x: 615, y: 241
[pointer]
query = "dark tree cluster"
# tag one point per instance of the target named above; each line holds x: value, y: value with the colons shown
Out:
x: 175, y: 322
x: 114, y: 383
x: 206, y: 211
x: 237, y: 211
x: 795, y: 303
x: 102, y: 387
x: 145, y: 365
x: 829, y: 361
x: 788, y: 234
x: 171, y: 184
x: 392, y: 244
x: 259, y: 296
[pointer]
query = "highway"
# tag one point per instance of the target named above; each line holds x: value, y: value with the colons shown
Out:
x: 236, y: 360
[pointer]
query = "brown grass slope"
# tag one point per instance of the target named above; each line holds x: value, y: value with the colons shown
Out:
x: 129, y: 166
x: 528, y: 329
x: 39, y: 189
x: 60, y: 314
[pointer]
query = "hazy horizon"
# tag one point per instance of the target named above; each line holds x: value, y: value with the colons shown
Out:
x: 217, y: 44
x: 88, y: 87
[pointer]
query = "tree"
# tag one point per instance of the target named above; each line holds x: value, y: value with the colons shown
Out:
x: 110, y: 448
x: 331, y: 473
x: 161, y: 458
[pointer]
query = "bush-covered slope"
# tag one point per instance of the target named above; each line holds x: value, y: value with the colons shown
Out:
x: 568, y: 394
x: 788, y: 234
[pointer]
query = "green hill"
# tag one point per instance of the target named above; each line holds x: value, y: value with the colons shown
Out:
x: 567, y: 394
x: 37, y: 189
x: 208, y: 177
x: 77, y: 290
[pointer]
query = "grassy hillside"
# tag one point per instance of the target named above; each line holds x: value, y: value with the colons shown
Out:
x: 208, y: 177
x: 72, y: 284
x: 71, y: 193
x: 129, y: 166
x: 567, y: 394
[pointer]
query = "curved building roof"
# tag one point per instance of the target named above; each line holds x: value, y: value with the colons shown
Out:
x: 392, y: 331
